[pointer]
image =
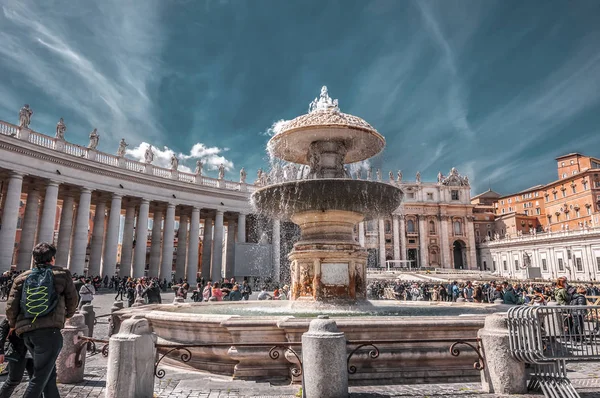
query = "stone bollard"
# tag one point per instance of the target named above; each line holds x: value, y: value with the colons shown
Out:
x: 502, y: 374
x: 139, y: 301
x: 89, y: 315
x: 67, y: 369
x: 178, y: 300
x: 115, y: 322
x: 325, y: 369
x: 132, y: 352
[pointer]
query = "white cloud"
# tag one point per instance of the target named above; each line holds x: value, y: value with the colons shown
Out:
x: 211, y: 157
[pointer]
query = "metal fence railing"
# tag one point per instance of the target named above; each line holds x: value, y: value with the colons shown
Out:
x: 549, y: 336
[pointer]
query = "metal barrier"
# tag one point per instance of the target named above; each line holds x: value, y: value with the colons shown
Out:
x: 549, y: 336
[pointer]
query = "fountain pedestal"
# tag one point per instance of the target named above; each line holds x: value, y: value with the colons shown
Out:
x: 327, y: 263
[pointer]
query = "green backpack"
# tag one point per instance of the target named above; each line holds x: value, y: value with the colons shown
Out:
x: 38, y: 297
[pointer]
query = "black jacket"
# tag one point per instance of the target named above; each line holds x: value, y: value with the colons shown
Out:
x: 153, y: 293
x: 16, y: 346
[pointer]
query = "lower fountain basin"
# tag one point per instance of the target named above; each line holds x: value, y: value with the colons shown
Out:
x: 412, y: 359
x: 371, y: 198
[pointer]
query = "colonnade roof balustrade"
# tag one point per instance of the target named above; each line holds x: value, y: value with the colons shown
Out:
x: 36, y: 154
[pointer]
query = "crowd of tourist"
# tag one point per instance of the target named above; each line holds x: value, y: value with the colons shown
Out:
x: 534, y: 293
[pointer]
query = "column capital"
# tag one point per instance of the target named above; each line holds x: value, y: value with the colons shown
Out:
x: 144, y: 201
x: 16, y: 175
x: 171, y: 205
x: 117, y: 195
x: 52, y: 183
x: 220, y: 212
x: 195, y: 209
x: 444, y: 217
x: 85, y: 190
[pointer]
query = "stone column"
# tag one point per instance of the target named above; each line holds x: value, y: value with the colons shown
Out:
x: 132, y: 352
x: 276, y: 250
x: 207, y: 248
x: 127, y: 245
x: 80, y: 239
x: 381, y: 236
x: 97, y: 238
x: 46, y: 232
x: 241, y: 228
x: 182, y: 235
x: 28, y: 230
x: 423, y: 246
x: 396, y: 236
x: 109, y: 261
x: 166, y: 266
x: 445, y: 235
x: 472, y: 250
x: 67, y: 371
x: 361, y: 234
x: 402, y: 237
x: 192, y: 257
x: 230, y: 247
x: 217, y: 255
x: 141, y: 240
x: 65, y: 230
x: 502, y: 374
x: 155, y: 243
x: 326, y: 373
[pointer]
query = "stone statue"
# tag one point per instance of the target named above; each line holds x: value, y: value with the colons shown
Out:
x: 221, y: 171
x: 324, y: 102
x: 440, y: 177
x: 243, y: 175
x: 294, y: 172
x: 122, y: 146
x: 418, y: 179
x: 264, y: 179
x: 391, y: 174
x: 174, y: 162
x: 60, y: 129
x: 199, y: 166
x: 399, y: 175
x: 149, y: 155
x: 25, y: 116
x: 370, y: 174
x: 378, y: 174
x: 359, y: 174
x: 259, y: 174
x: 94, y: 139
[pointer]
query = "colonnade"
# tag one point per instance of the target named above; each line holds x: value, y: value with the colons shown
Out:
x: 73, y: 239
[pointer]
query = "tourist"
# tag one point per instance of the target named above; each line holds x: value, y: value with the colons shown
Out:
x: 18, y: 359
x: 42, y: 335
x: 182, y: 291
x: 153, y: 293
x: 86, y: 293
x: 217, y: 293
x: 578, y: 322
x: 561, y: 294
x: 246, y: 290
x: 130, y: 291
x: 478, y: 296
x: 468, y: 291
x: 264, y: 295
x: 207, y: 292
x: 235, y: 294
x: 498, y: 294
x: 285, y: 291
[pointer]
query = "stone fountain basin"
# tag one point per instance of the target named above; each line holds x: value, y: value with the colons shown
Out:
x: 370, y: 198
x: 417, y: 361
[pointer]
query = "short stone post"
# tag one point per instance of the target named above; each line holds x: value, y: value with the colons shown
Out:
x: 132, y: 353
x: 89, y: 315
x: 139, y: 301
x: 325, y: 369
x: 115, y: 322
x: 502, y: 374
x: 24, y: 133
x: 67, y: 369
x: 178, y: 300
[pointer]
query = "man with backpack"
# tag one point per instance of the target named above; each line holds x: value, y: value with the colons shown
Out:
x: 39, y: 302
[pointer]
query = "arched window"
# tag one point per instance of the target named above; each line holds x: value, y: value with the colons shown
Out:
x: 410, y: 226
x: 457, y: 228
x: 431, y: 227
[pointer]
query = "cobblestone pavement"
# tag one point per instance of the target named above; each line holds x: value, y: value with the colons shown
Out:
x: 181, y: 384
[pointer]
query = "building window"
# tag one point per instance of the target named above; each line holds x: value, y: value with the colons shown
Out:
x: 578, y: 215
x: 454, y: 194
x: 410, y: 226
x: 410, y: 195
x: 562, y: 164
x: 516, y: 265
x: 431, y: 228
x: 526, y: 212
x: 589, y: 211
x: 538, y: 211
x: 550, y: 218
x: 503, y: 211
x: 568, y: 216
x: 557, y: 217
x: 484, y: 266
x: 564, y: 193
x: 506, y: 266
x: 598, y: 263
x: 509, y: 200
x: 561, y: 265
x: 494, y: 265
x: 572, y: 162
x: 544, y: 265
x: 555, y: 197
x: 457, y: 228
x: 579, y: 264
x: 502, y: 202
x: 564, y: 175
x: 429, y: 196
x: 574, y: 188
x: 19, y: 222
x: 574, y: 172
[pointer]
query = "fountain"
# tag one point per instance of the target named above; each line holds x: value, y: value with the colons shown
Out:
x: 328, y: 274
x: 327, y: 264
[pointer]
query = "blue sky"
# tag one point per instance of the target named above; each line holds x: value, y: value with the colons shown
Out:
x: 494, y: 88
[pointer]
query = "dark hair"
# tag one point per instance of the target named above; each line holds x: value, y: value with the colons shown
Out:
x: 43, y: 253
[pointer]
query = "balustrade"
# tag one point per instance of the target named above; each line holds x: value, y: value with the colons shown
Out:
x: 186, y: 177
x: 211, y: 182
x: 8, y: 129
x: 41, y: 140
x: 75, y: 150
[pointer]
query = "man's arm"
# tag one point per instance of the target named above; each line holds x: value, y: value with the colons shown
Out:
x: 71, y: 296
x: 13, y: 304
